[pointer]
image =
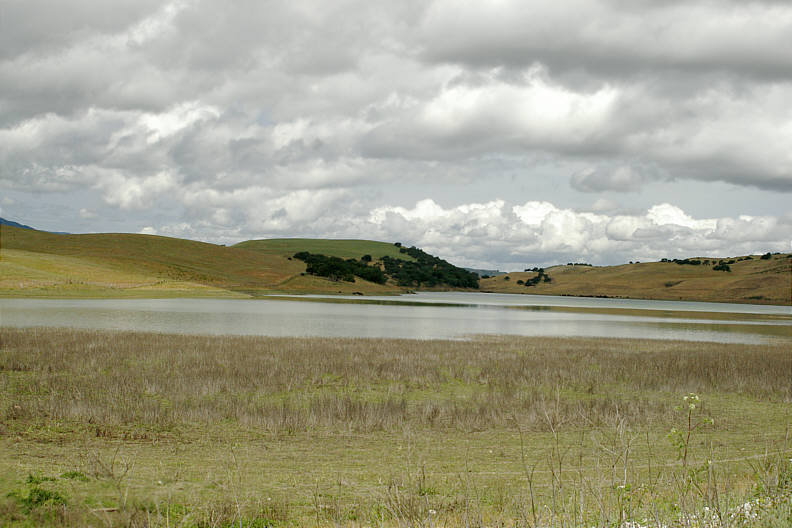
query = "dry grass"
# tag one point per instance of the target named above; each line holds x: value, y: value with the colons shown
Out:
x: 292, y: 384
x: 40, y: 264
x: 132, y: 429
x: 754, y: 281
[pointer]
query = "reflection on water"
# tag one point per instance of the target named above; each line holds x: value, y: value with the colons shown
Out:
x: 421, y: 318
x: 525, y: 300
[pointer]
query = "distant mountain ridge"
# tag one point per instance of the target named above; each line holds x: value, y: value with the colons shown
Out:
x: 11, y: 223
x: 487, y: 272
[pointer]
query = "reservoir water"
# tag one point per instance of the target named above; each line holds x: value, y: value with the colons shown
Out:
x: 418, y: 316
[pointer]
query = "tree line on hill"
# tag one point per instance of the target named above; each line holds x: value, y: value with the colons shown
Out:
x: 335, y: 268
x: 427, y: 270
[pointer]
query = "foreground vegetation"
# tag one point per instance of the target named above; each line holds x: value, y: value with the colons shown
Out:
x: 135, y: 429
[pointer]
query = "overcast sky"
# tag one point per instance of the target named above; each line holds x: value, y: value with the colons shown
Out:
x: 499, y: 134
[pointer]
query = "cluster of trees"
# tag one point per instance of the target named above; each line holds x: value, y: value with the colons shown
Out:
x: 427, y: 270
x: 541, y: 276
x: 697, y: 262
x: 335, y: 268
x: 578, y: 264
x: 681, y: 262
x: 722, y: 266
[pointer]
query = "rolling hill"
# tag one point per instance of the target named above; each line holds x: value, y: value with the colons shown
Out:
x: 36, y: 263
x: 750, y: 280
x: 287, y: 247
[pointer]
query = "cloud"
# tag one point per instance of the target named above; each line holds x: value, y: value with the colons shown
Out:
x: 137, y: 193
x: 227, y: 120
x: 611, y: 37
x: 472, y: 117
x: 541, y: 233
x: 619, y: 179
x: 203, y: 88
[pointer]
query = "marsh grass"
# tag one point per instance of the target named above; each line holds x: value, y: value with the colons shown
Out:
x: 286, y: 385
x: 137, y: 429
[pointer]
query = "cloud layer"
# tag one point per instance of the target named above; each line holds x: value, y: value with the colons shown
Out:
x: 510, y: 236
x: 300, y: 118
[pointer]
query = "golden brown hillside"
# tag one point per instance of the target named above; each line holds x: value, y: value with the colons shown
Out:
x: 754, y: 280
x: 36, y: 263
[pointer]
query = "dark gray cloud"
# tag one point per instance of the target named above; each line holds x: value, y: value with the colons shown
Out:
x: 40, y: 27
x: 624, y: 178
x: 254, y: 118
x: 614, y: 38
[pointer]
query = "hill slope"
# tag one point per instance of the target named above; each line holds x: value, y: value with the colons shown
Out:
x: 36, y: 263
x: 345, y: 249
x: 379, y: 262
x: 755, y: 280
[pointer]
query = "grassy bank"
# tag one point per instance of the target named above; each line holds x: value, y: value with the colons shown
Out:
x: 108, y: 428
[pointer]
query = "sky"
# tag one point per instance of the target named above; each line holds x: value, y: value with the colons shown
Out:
x: 496, y: 134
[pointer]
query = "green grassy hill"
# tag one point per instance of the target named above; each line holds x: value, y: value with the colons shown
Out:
x: 36, y: 263
x: 345, y: 249
x: 755, y: 280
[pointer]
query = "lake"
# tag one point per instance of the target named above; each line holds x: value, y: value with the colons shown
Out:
x: 419, y: 316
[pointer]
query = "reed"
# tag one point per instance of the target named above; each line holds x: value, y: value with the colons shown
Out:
x: 294, y: 384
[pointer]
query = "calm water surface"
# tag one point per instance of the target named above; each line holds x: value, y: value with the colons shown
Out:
x: 420, y: 316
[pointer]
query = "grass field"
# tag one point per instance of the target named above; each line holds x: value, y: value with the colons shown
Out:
x: 133, y: 429
x: 753, y: 281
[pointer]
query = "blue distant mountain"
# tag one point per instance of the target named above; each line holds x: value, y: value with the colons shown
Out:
x: 483, y: 272
x: 11, y: 223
